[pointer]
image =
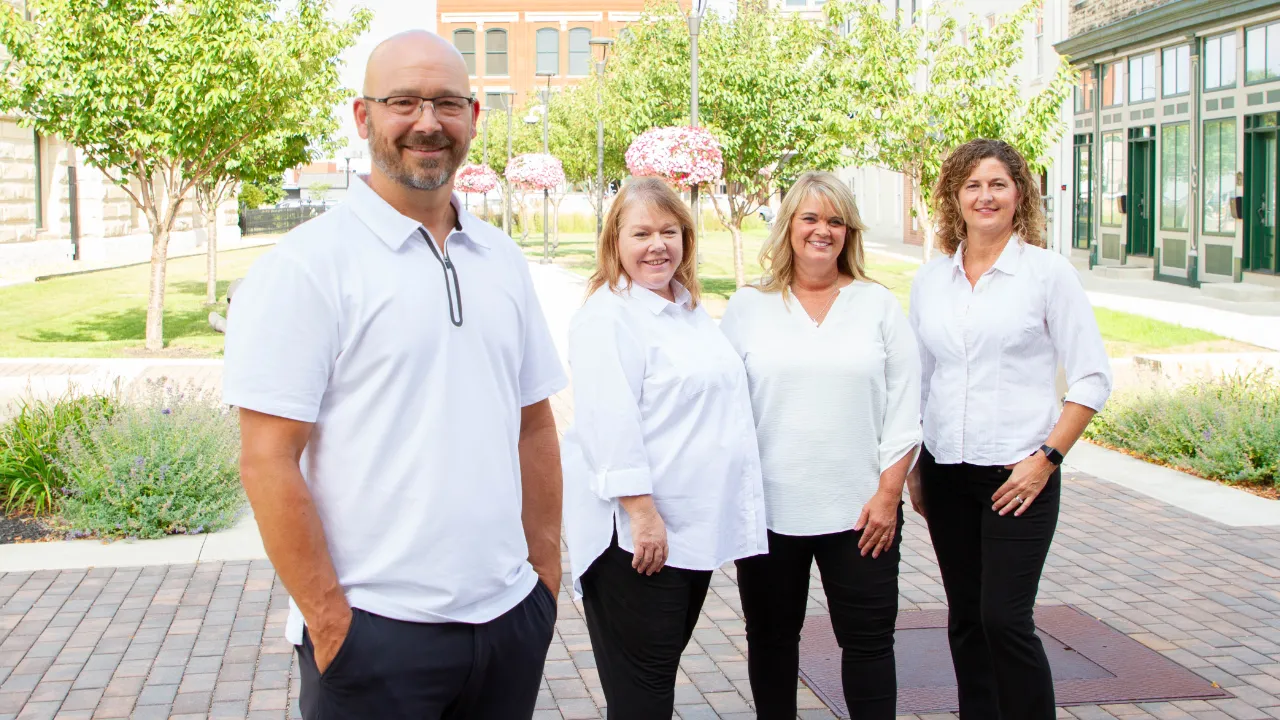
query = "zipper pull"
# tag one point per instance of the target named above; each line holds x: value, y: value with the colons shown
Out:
x: 448, y: 264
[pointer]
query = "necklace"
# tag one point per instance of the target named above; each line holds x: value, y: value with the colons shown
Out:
x: 822, y: 314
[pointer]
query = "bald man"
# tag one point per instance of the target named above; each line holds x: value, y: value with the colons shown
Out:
x: 398, y: 446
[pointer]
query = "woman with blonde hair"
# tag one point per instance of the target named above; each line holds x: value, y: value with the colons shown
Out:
x: 995, y: 315
x: 661, y: 471
x: 834, y: 378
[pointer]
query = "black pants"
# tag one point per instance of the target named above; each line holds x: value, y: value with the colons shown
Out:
x: 390, y: 669
x: 991, y: 568
x: 639, y: 625
x: 862, y: 594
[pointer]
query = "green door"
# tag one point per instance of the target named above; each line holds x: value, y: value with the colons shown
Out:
x: 1142, y: 170
x: 1261, y: 184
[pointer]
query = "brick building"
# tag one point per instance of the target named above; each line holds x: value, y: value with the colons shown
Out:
x: 1176, y: 140
x: 507, y: 42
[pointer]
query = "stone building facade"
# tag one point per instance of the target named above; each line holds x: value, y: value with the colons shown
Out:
x: 48, y: 227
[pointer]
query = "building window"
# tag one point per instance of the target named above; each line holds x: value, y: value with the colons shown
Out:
x: 580, y: 51
x: 1040, y: 42
x: 1175, y: 175
x: 1262, y: 53
x: 1219, y: 176
x: 1142, y: 78
x: 1113, y: 180
x: 1113, y: 84
x: 1085, y: 89
x: 1176, y: 69
x: 465, y: 41
x: 494, y: 101
x: 548, y: 41
x: 1220, y: 62
x: 991, y: 20
x: 495, y: 52
x: 1082, y: 230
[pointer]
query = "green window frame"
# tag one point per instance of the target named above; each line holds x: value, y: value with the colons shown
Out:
x: 1114, y: 182
x: 1082, y: 228
x: 1219, y: 176
x: 1113, y: 84
x: 1175, y: 67
x: 1142, y: 78
x: 465, y: 42
x: 1262, y: 53
x: 1175, y: 175
x: 1220, y: 62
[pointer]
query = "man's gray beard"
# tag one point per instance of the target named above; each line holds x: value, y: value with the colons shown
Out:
x: 432, y: 177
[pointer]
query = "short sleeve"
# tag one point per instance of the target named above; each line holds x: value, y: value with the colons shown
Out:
x: 541, y: 373
x: 282, y: 340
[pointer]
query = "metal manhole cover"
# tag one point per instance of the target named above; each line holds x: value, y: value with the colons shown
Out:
x: 1092, y: 663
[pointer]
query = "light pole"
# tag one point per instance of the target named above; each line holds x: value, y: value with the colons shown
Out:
x: 546, y: 192
x: 507, y: 97
x: 603, y: 44
x: 696, y: 9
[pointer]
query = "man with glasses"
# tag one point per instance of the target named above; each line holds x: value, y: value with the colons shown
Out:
x: 398, y: 446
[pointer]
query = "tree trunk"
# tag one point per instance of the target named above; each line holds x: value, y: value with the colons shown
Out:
x: 739, y: 270
x: 211, y: 226
x: 155, y: 301
x: 555, y: 225
x: 922, y: 216
x: 526, y: 220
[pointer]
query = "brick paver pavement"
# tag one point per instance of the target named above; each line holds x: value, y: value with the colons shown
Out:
x: 207, y: 641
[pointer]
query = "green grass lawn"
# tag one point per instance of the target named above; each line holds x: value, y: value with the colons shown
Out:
x: 103, y: 314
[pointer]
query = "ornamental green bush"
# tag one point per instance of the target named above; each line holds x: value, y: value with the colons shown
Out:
x: 30, y: 478
x: 165, y: 463
x: 1226, y: 428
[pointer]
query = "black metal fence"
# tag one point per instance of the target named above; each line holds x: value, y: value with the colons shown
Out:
x: 264, y: 221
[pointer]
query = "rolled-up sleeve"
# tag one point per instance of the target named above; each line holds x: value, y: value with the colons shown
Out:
x: 900, y: 430
x: 1073, y: 328
x: 607, y: 363
x: 282, y: 340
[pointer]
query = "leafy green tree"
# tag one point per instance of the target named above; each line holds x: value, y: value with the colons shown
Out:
x: 767, y: 89
x: 163, y: 92
x: 573, y: 137
x: 254, y: 195
x: 969, y: 90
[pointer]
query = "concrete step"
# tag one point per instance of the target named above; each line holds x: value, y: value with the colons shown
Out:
x: 1241, y: 292
x: 1123, y: 272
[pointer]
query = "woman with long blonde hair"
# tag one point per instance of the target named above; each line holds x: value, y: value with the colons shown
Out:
x: 834, y: 379
x: 661, y: 472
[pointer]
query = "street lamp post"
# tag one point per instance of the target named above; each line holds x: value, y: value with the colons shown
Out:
x: 546, y: 192
x: 695, y: 20
x: 507, y: 98
x: 603, y: 44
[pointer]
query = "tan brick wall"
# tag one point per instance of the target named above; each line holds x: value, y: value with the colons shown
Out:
x: 17, y: 183
x: 1093, y: 14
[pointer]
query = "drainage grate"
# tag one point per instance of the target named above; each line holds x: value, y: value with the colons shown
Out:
x: 1092, y: 663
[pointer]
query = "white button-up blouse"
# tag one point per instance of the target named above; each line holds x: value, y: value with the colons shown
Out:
x: 661, y: 408
x: 990, y: 353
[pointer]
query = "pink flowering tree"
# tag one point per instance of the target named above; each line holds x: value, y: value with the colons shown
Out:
x: 534, y: 172
x: 479, y: 179
x: 683, y: 156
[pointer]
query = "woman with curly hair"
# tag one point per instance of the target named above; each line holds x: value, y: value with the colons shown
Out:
x: 994, y: 316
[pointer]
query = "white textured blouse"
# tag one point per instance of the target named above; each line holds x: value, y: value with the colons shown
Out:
x: 991, y: 353
x: 835, y: 404
x: 660, y: 408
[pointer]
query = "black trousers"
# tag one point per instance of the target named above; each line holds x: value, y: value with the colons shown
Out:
x: 991, y: 568
x: 391, y: 669
x: 862, y: 594
x: 639, y: 625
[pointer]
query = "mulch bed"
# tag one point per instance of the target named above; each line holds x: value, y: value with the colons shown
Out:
x: 24, y: 529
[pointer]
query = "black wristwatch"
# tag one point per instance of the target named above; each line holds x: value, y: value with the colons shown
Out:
x: 1053, y: 455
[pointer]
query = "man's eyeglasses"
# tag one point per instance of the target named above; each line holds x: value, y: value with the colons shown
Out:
x: 446, y: 107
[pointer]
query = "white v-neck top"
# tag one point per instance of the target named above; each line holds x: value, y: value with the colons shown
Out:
x: 660, y: 408
x: 835, y: 404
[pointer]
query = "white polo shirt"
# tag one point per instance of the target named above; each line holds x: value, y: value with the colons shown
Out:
x: 413, y: 460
